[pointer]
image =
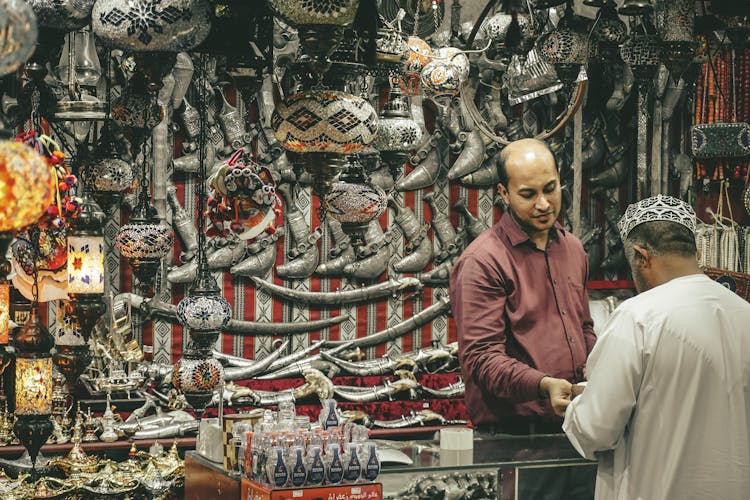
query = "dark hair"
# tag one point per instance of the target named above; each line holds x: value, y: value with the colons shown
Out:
x: 502, y: 158
x: 663, y: 237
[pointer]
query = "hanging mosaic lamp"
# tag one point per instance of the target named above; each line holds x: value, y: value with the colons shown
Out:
x: 33, y: 385
x: 676, y: 27
x: 196, y: 376
x: 152, y: 25
x: 18, y: 32
x: 320, y: 24
x: 398, y: 133
x: 354, y: 201
x: 72, y: 354
x: 204, y: 311
x: 609, y: 29
x: 107, y: 178
x: 26, y: 185
x: 144, y: 242
x: 322, y: 125
x: 641, y: 52
x: 64, y: 15
x: 509, y: 34
x: 441, y: 78
x: 566, y: 46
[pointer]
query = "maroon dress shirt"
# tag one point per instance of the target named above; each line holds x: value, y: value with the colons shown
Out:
x: 522, y: 314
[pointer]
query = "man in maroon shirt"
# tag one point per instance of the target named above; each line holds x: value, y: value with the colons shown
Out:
x: 519, y: 300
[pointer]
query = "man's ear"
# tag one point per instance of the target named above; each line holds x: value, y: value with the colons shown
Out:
x: 503, y: 192
x: 642, y: 255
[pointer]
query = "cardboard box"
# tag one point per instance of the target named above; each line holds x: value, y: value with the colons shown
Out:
x: 365, y: 491
x: 230, y: 457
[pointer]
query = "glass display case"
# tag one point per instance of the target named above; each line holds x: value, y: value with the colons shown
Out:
x: 499, y: 467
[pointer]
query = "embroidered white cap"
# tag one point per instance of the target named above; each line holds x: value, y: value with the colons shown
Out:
x: 656, y: 208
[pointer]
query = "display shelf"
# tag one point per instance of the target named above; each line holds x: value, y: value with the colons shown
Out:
x: 15, y: 451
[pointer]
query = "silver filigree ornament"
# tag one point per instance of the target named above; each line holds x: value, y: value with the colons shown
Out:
x: 398, y: 133
x: 306, y: 12
x: 65, y: 15
x: 18, y: 34
x: 152, y: 25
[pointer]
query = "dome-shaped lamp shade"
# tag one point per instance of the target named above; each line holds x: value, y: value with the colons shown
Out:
x: 197, y: 375
x: 108, y: 175
x: 642, y: 54
x: 204, y: 313
x: 566, y: 47
x: 144, y: 241
x: 18, y: 32
x: 324, y: 121
x: 608, y: 27
x: 314, y: 12
x: 26, y: 185
x: 152, y: 25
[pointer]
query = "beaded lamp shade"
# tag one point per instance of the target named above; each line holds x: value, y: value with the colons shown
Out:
x: 197, y: 375
x: 152, y: 25
x: 306, y: 12
x: 566, y: 46
x: 18, y: 32
x: 108, y: 175
x: 324, y: 121
x: 441, y: 78
x: 144, y: 241
x: 608, y: 27
x: 26, y: 185
x: 397, y: 131
x: 66, y: 15
x: 204, y: 313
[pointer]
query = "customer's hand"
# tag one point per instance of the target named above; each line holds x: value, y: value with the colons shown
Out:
x: 559, y: 392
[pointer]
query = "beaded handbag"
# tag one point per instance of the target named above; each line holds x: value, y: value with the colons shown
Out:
x: 720, y: 140
x: 739, y: 283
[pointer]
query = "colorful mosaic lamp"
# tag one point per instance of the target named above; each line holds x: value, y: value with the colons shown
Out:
x: 72, y: 354
x: 354, y: 201
x: 18, y: 32
x: 203, y: 311
x: 320, y: 127
x: 398, y: 133
x: 34, y: 380
x: 85, y: 286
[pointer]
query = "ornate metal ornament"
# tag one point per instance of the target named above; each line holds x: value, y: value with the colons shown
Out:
x: 300, y: 13
x: 152, y: 25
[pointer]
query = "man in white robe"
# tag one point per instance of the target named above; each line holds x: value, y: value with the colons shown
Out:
x: 666, y: 410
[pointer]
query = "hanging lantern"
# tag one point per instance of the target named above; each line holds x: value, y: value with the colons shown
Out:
x: 321, y: 125
x: 33, y: 385
x: 676, y: 24
x: 26, y: 185
x: 196, y: 377
x: 398, y: 133
x: 354, y: 201
x: 72, y: 353
x: 107, y: 178
x: 320, y: 25
x: 510, y: 34
x: 144, y: 243
x: 566, y: 47
x: 204, y: 313
x: 18, y: 32
x: 152, y: 26
x: 609, y: 29
x: 641, y: 52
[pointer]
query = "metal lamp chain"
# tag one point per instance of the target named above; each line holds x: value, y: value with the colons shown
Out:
x: 202, y: 139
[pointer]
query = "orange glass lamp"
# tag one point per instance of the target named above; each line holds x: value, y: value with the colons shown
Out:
x: 33, y: 385
x: 4, y: 310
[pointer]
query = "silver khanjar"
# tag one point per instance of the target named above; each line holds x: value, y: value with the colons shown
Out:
x: 152, y: 25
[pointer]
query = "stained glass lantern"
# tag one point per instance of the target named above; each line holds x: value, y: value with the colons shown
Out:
x: 609, y: 29
x: 676, y: 24
x: 26, y: 185
x: 18, y: 32
x: 33, y: 385
x: 398, y: 133
x: 354, y: 201
x: 322, y: 125
x: 72, y: 355
x: 566, y: 47
x: 507, y: 38
x: 107, y: 178
x: 152, y: 25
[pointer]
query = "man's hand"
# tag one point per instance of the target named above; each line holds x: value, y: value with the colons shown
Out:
x: 559, y: 392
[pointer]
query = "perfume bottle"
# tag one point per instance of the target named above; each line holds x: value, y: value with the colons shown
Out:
x: 371, y: 461
x: 334, y: 465
x: 276, y: 468
x: 316, y: 470
x: 329, y: 417
x: 352, y: 465
x: 298, y: 467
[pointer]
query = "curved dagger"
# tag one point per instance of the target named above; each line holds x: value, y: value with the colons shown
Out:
x: 440, y: 307
x: 239, y: 327
x: 339, y: 297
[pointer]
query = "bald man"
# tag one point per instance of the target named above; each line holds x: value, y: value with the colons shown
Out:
x: 519, y: 299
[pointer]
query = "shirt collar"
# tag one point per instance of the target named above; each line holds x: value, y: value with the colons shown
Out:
x: 516, y: 235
